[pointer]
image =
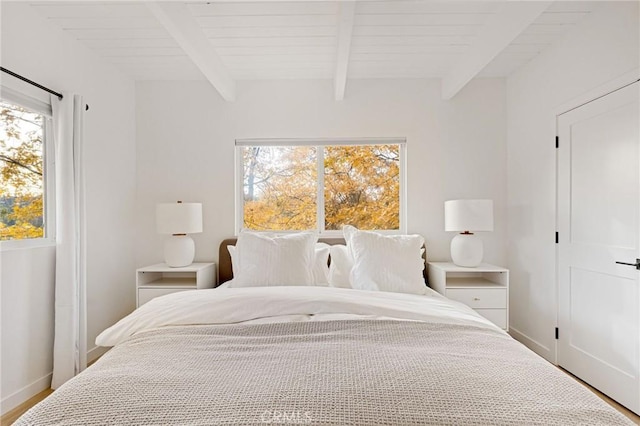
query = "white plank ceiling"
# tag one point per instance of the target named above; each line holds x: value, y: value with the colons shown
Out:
x: 306, y: 39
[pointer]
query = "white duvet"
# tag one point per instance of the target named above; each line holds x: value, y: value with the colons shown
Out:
x: 287, y: 304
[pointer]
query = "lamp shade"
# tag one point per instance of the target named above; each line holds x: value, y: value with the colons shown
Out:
x: 468, y: 215
x: 179, y: 218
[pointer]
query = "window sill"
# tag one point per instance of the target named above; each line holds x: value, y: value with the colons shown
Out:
x: 26, y: 244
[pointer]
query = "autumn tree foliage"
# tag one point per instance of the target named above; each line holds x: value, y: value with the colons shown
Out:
x: 21, y: 173
x: 361, y: 187
x: 280, y: 188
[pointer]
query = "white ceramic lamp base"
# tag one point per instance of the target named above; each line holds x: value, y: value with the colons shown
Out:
x: 179, y: 251
x: 466, y: 250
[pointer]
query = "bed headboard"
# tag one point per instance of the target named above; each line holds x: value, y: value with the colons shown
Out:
x: 225, y: 273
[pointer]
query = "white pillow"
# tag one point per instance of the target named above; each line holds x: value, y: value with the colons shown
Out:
x: 340, y: 268
x: 320, y: 263
x: 263, y: 260
x: 386, y: 262
x: 234, y: 261
x: 341, y: 265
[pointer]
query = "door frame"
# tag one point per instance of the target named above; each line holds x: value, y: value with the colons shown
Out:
x: 614, y: 85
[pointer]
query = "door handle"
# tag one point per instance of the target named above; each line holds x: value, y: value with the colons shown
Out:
x: 637, y: 264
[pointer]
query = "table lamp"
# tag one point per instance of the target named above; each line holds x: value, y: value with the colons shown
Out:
x: 467, y: 217
x: 178, y: 220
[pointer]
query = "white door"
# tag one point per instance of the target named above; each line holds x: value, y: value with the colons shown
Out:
x: 599, y: 225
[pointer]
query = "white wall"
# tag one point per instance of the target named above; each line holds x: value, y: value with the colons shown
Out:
x: 186, y: 133
x: 34, y: 49
x: 602, y: 48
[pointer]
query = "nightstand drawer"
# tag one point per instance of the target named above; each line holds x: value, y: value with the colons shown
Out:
x: 480, y: 297
x: 484, y: 288
x: 496, y: 316
x: 146, y: 294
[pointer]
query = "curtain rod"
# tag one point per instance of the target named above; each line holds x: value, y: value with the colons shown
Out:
x: 33, y: 83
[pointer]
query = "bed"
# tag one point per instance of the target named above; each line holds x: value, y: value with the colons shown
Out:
x: 315, y: 355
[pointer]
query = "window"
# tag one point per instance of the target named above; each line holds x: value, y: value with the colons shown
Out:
x: 290, y: 185
x: 24, y: 169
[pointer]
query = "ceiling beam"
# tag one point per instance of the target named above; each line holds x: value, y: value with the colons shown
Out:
x: 498, y: 32
x: 183, y: 27
x: 346, y: 17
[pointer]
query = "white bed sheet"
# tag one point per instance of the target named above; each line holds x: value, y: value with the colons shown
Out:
x: 287, y: 304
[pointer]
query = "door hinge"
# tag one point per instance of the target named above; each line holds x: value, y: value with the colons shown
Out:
x: 557, y: 238
x: 557, y: 142
x: 557, y: 333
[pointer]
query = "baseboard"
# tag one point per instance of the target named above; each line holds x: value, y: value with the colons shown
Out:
x: 534, y: 345
x: 15, y: 399
x: 95, y: 353
x: 12, y: 401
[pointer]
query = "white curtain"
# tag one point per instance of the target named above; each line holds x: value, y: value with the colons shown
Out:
x: 70, y: 347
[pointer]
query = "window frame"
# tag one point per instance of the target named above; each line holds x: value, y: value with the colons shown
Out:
x: 48, y: 153
x: 320, y: 143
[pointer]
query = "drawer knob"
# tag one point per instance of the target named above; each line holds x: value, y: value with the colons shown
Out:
x: 476, y: 298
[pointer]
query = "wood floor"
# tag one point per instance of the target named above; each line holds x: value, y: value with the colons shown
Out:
x: 632, y: 416
x: 13, y: 415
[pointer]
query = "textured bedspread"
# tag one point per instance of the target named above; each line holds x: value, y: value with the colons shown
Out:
x: 351, y: 372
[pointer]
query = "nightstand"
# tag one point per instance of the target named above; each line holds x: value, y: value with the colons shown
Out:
x: 158, y: 280
x: 484, y: 288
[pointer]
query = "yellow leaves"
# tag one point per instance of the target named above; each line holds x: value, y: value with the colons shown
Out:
x: 361, y: 187
x: 21, y: 173
x: 25, y: 220
x: 27, y: 209
x: 280, y: 188
x: 20, y: 232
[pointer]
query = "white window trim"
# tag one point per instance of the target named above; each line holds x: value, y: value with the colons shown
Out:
x: 25, y: 101
x: 49, y: 183
x: 49, y: 239
x: 239, y: 177
x: 319, y: 141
